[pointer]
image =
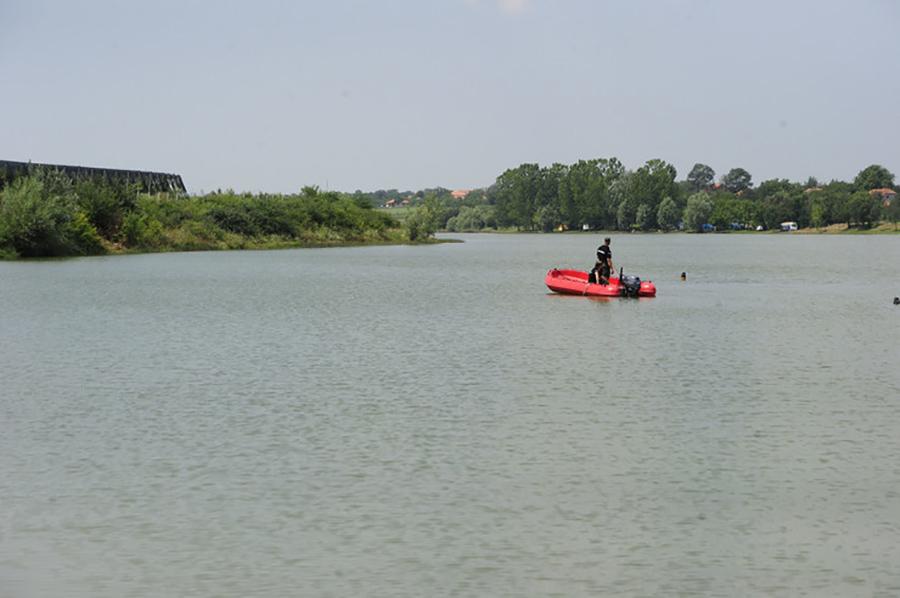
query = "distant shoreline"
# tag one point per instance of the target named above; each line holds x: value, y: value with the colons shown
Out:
x: 885, y: 228
x: 277, y: 246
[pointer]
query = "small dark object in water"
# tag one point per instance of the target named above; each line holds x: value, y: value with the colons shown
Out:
x: 896, y: 300
x: 684, y: 276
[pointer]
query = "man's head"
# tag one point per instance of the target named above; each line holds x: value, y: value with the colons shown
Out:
x: 606, y: 241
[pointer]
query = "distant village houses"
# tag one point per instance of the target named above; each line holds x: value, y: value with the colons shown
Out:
x: 394, y: 203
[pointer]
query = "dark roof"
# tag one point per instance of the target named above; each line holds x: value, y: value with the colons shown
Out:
x: 151, y: 182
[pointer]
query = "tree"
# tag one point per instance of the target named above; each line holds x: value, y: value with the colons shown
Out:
x: 700, y: 177
x: 838, y: 203
x: 547, y: 218
x: 729, y: 210
x: 892, y: 211
x: 548, y: 188
x: 873, y: 177
x: 777, y: 208
x: 863, y: 209
x: 668, y: 215
x: 584, y: 192
x: 818, y: 209
x: 425, y: 219
x: 644, y: 217
x: 648, y: 186
x: 568, y: 209
x: 699, y: 209
x: 619, y: 208
x: 737, y: 180
x: 516, y: 192
x: 772, y: 186
x: 624, y: 215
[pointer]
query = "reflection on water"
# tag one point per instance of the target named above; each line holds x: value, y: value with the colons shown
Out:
x: 407, y: 421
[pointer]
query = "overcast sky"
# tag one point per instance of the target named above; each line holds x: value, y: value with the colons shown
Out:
x: 271, y: 95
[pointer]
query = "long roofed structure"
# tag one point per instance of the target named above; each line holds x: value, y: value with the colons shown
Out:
x: 149, y: 182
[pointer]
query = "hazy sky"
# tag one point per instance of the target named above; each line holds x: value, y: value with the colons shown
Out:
x: 271, y: 95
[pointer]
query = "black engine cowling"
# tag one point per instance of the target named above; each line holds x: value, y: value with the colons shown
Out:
x: 631, y: 285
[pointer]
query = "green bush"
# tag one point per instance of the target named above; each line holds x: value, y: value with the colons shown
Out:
x: 39, y: 217
x: 234, y: 215
x: 85, y: 238
x: 141, y: 231
x: 47, y: 214
x: 420, y: 224
x: 472, y: 218
x: 105, y: 203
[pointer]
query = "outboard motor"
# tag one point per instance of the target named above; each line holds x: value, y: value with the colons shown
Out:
x: 631, y: 285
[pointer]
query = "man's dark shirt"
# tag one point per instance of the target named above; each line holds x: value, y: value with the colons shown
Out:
x: 604, y: 254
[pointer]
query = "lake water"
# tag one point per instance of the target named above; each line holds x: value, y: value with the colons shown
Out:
x: 430, y: 421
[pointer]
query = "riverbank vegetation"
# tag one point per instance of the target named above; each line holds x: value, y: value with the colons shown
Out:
x: 47, y: 214
x: 603, y: 194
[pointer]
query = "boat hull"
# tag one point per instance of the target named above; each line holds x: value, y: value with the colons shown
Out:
x: 575, y: 282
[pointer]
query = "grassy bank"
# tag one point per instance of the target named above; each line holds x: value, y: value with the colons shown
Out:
x: 47, y: 215
x: 882, y: 228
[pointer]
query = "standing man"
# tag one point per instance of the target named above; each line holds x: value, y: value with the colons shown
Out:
x: 604, y: 262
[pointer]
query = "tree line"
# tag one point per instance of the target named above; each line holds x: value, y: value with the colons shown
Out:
x: 47, y: 213
x: 603, y: 194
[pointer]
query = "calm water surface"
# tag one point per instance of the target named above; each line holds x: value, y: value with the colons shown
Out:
x: 413, y: 421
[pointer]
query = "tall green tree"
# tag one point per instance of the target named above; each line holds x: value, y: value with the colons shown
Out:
x: 700, y: 177
x: 892, y: 211
x: 622, y: 204
x: 729, y: 209
x: 547, y: 218
x: 837, y: 199
x: 651, y: 183
x: 548, y: 190
x: 773, y: 186
x: 568, y: 208
x: 737, y: 180
x: 644, y: 217
x: 863, y: 209
x: 777, y: 208
x: 625, y: 215
x: 584, y: 192
x: 873, y: 177
x: 697, y: 212
x: 516, y: 192
x: 668, y: 214
x: 818, y: 209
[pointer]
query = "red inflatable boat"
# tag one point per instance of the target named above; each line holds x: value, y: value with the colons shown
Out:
x: 575, y: 282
